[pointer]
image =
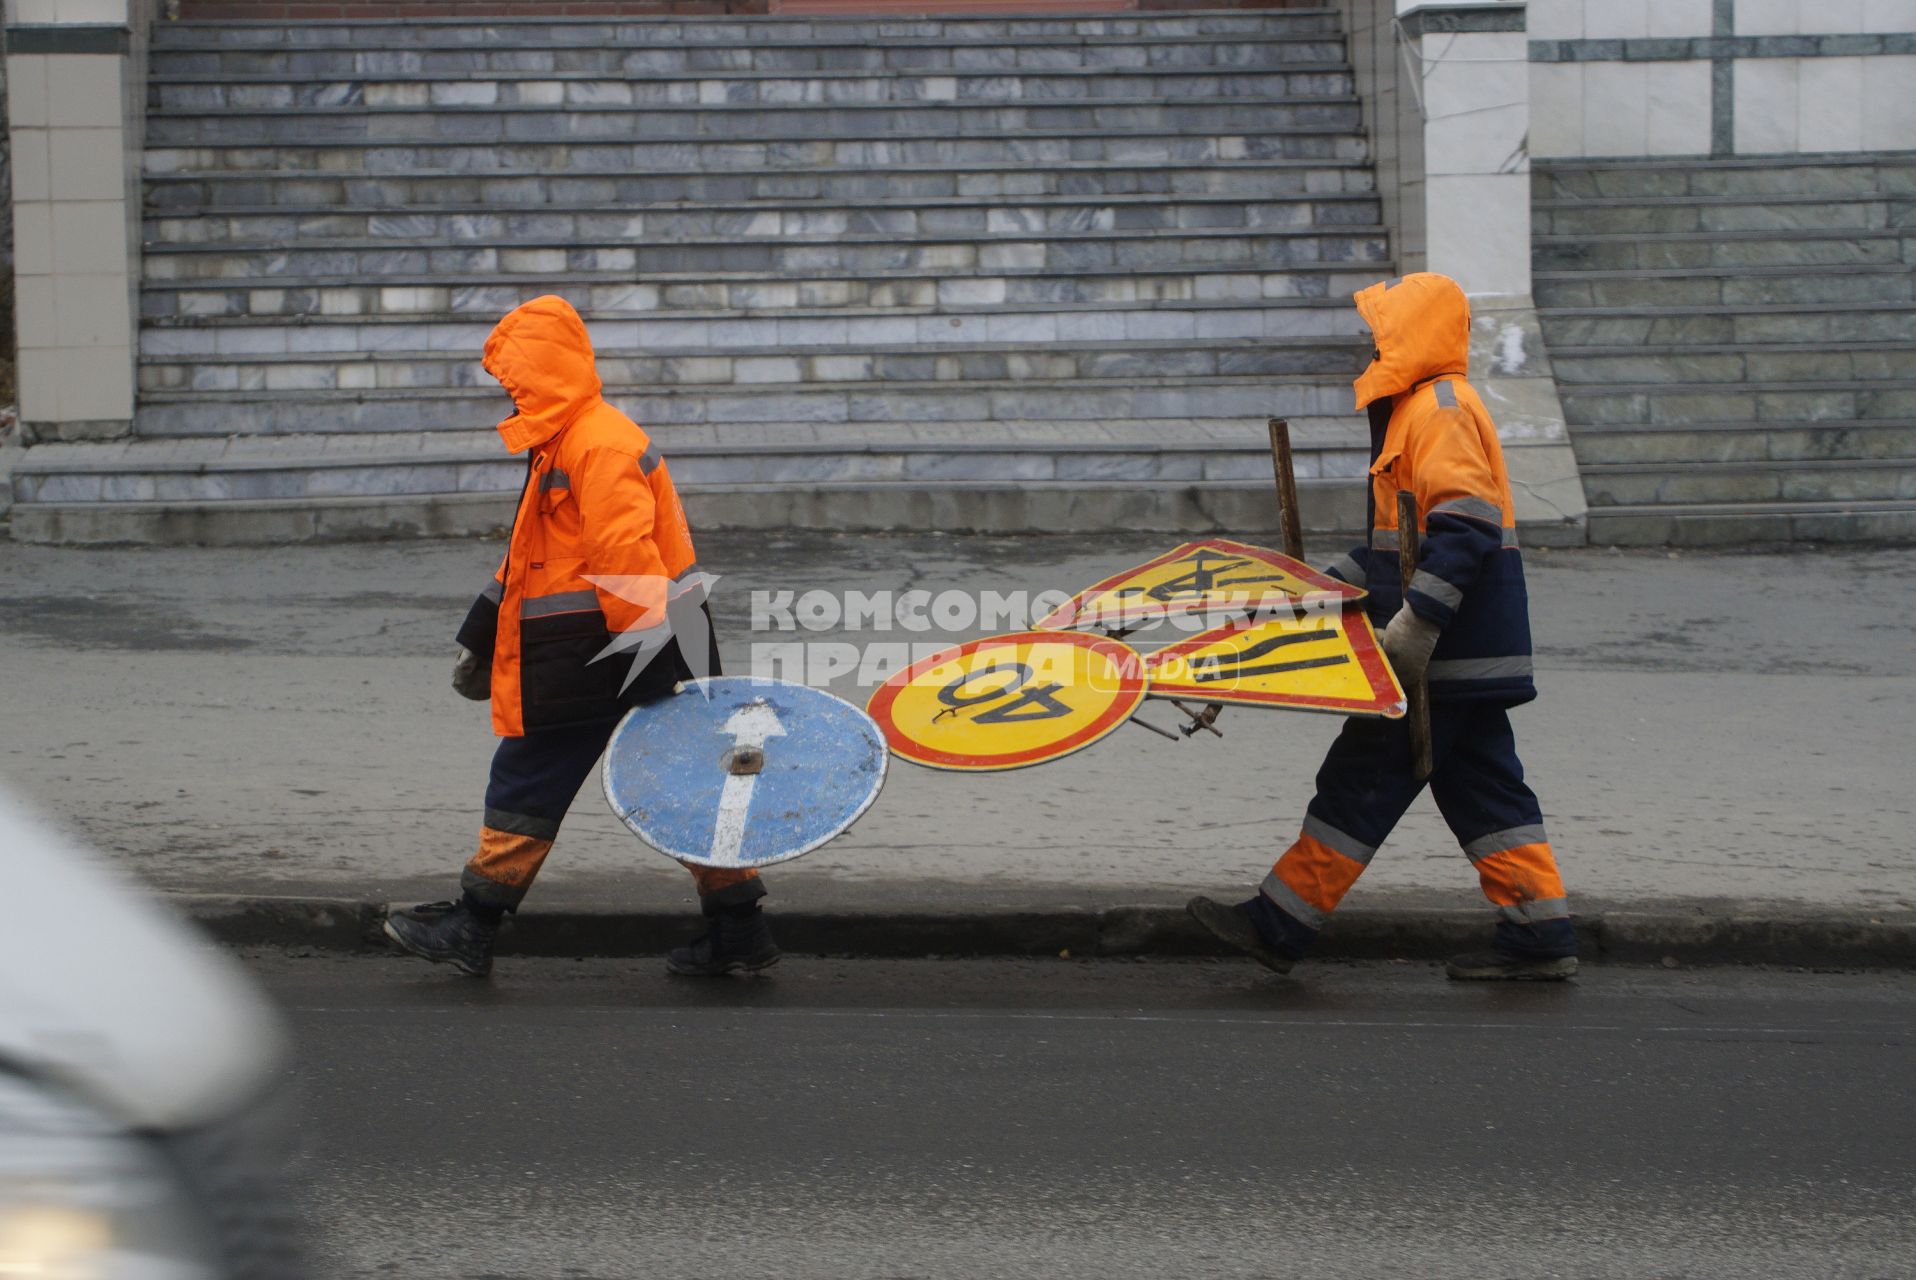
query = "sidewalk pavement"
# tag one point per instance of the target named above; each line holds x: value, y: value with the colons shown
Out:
x: 1723, y: 749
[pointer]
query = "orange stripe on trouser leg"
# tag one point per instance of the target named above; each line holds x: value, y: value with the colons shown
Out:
x: 1317, y: 873
x: 712, y: 879
x: 1527, y: 873
x: 508, y: 859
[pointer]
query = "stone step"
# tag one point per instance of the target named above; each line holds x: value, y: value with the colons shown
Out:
x: 739, y: 32
x: 204, y: 413
x: 1810, y: 323
x: 1046, y: 57
x: 1753, y: 524
x: 1697, y: 362
x: 908, y: 219
x: 1641, y: 446
x: 385, y: 464
x: 1025, y: 150
x: 1865, y: 175
x: 281, y: 91
x: 1820, y: 480
x: 1674, y: 214
x: 1742, y: 286
x: 1716, y: 250
x: 611, y: 259
x: 956, y: 364
x: 429, y: 294
x: 584, y: 124
x: 1780, y: 404
x: 795, y: 330
x: 506, y: 190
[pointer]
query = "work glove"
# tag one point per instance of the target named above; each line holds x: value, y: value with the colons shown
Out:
x: 1407, y: 642
x: 471, y: 678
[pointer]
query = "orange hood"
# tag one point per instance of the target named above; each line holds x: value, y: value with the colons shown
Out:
x: 541, y: 355
x: 1421, y: 328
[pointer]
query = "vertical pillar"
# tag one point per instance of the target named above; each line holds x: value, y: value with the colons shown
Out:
x: 1462, y: 180
x: 74, y: 130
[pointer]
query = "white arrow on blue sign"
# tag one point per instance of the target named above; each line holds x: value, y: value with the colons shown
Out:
x: 670, y: 772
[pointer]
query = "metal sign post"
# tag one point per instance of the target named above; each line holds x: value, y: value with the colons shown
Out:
x: 1419, y: 692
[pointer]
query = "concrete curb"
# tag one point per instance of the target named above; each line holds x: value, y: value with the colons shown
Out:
x: 1807, y: 939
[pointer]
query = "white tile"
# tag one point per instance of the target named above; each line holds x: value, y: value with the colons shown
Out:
x: 83, y: 90
x: 1889, y: 16
x: 1889, y: 103
x: 1614, y: 111
x: 1833, y: 17
x: 92, y: 11
x: 32, y: 176
x: 90, y: 236
x: 40, y: 384
x: 1475, y: 94
x: 1765, y: 103
x: 88, y: 164
x: 27, y: 90
x: 97, y: 384
x: 1682, y: 18
x: 1677, y: 106
x: 32, y: 12
x: 1829, y: 104
x: 1768, y: 17
x: 33, y: 238
x: 1554, y: 20
x: 1556, y: 108
x: 1614, y: 19
x: 1479, y: 232
x: 36, y: 311
x: 95, y: 311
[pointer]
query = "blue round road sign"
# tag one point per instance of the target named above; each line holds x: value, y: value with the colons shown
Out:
x: 759, y: 772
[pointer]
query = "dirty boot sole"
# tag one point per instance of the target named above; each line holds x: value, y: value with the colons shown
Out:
x: 1492, y: 967
x: 689, y: 968
x: 1228, y: 924
x: 438, y: 955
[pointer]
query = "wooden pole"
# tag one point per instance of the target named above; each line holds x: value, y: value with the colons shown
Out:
x: 1418, y: 696
x: 1289, y: 519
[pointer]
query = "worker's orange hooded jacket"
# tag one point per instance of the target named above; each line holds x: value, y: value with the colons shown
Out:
x: 1432, y: 435
x: 597, y: 545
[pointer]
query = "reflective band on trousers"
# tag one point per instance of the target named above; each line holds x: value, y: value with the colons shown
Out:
x: 649, y: 460
x: 495, y: 591
x: 1475, y: 508
x: 521, y: 824
x: 1331, y: 838
x: 1346, y: 568
x: 1386, y: 539
x: 563, y: 602
x: 1536, y: 912
x: 555, y: 479
x: 1281, y: 896
x: 1436, y: 588
x: 1515, y: 667
x: 1504, y: 841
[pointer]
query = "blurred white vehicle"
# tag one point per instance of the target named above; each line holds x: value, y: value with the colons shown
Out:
x: 137, y: 1068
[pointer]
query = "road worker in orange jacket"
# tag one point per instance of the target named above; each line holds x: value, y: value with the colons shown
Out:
x: 582, y: 621
x: 1463, y: 623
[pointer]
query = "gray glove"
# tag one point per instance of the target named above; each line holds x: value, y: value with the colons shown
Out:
x: 1407, y: 643
x: 470, y: 677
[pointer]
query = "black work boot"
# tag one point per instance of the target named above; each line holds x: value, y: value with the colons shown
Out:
x: 1235, y: 926
x: 738, y: 939
x: 1508, y: 966
x: 446, y: 933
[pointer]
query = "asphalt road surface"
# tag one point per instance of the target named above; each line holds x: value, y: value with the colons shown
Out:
x: 599, y: 1121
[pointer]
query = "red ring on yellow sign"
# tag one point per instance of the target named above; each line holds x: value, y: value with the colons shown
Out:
x: 1091, y: 709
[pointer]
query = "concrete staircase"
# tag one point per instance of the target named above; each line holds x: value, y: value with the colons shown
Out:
x: 1735, y: 344
x: 982, y: 273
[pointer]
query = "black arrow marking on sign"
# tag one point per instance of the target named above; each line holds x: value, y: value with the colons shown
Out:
x: 1241, y: 673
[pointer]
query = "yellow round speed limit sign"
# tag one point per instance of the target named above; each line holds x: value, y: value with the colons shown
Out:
x: 1009, y: 701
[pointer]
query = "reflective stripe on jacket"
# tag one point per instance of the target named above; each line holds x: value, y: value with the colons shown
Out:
x: 598, y: 543
x: 1432, y: 435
